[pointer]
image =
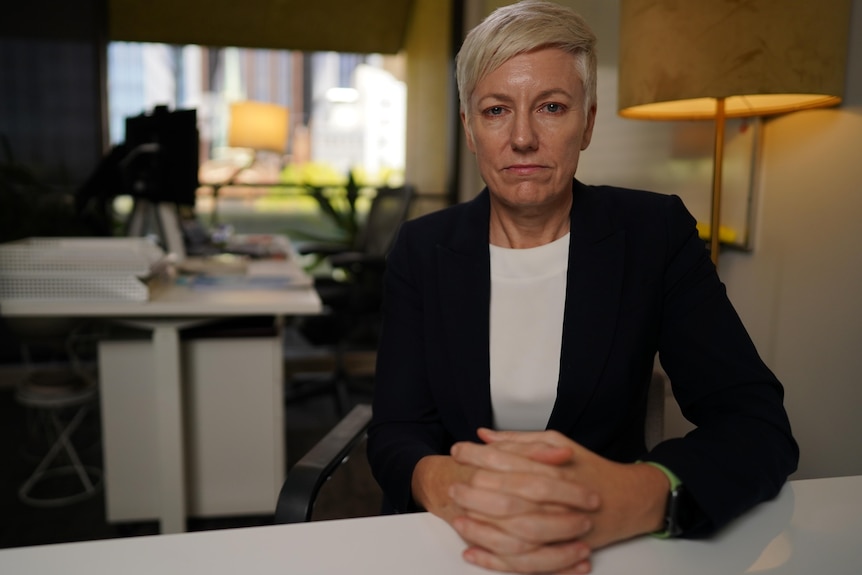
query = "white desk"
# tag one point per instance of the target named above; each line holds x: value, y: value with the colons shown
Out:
x: 814, y: 526
x: 171, y: 309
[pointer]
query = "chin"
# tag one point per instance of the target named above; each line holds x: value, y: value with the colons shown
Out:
x: 528, y: 197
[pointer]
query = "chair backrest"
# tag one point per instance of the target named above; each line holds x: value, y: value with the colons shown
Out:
x: 387, y: 212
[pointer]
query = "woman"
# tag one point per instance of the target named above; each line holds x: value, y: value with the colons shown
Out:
x: 541, y: 305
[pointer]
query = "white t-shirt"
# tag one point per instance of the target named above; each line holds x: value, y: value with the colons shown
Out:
x: 528, y: 296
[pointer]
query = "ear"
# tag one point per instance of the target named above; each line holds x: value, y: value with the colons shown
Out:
x: 468, y: 132
x: 588, y: 129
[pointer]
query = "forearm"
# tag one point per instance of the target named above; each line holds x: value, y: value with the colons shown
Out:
x: 730, y: 463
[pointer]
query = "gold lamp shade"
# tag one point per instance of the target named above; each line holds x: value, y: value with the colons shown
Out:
x: 713, y: 59
x: 762, y: 56
x: 258, y: 125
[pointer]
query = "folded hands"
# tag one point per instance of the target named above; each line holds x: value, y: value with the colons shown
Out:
x: 537, y: 502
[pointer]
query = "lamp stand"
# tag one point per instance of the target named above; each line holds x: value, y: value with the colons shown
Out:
x: 214, y: 217
x: 717, y: 159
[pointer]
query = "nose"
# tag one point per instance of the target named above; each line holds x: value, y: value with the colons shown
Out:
x: 524, y: 137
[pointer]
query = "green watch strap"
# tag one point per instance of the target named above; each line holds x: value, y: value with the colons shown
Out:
x: 675, y: 483
x: 671, y: 476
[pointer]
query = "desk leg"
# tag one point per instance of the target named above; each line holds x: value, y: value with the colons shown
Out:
x: 171, y: 436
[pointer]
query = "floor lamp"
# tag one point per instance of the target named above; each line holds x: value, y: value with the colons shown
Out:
x: 259, y: 127
x: 715, y: 59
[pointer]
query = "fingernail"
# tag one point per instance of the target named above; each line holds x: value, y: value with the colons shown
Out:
x: 469, y: 556
x: 458, y: 524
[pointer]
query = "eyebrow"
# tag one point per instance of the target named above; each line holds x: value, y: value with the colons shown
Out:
x: 541, y: 96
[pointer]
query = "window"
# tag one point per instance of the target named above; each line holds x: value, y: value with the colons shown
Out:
x: 346, y: 114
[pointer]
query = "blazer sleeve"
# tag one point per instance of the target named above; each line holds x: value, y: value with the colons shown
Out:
x: 405, y: 425
x: 742, y: 449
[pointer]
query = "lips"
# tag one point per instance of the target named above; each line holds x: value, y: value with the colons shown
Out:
x: 524, y: 169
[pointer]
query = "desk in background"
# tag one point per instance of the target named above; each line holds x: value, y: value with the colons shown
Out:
x: 814, y: 526
x: 156, y: 428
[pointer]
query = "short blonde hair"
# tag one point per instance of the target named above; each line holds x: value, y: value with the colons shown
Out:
x: 524, y: 27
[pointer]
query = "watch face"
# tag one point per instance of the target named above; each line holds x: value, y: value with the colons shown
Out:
x: 681, y: 511
x: 672, y: 514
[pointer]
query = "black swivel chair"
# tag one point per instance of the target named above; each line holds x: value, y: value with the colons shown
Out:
x: 302, y: 485
x: 344, y: 339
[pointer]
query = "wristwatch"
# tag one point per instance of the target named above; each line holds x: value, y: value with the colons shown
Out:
x: 676, y: 509
x: 673, y: 522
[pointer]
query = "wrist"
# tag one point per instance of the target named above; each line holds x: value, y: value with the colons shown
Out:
x: 432, y: 477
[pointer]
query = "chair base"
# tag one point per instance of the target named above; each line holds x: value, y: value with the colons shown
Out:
x: 90, y: 478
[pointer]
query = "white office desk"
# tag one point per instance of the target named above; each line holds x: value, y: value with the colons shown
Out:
x: 814, y: 526
x: 171, y: 309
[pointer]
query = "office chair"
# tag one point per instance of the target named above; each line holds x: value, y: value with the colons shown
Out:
x: 302, y: 485
x: 342, y: 342
x: 363, y: 261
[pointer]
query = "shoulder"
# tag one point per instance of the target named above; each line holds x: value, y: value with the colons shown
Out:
x: 608, y: 209
x: 458, y: 227
x: 626, y: 201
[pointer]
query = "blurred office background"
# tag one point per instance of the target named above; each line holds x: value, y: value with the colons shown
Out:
x: 66, y: 84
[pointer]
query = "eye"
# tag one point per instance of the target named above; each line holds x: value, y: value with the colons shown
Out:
x: 554, y: 108
x: 494, y: 111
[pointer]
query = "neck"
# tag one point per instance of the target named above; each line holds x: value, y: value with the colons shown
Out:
x: 520, y: 229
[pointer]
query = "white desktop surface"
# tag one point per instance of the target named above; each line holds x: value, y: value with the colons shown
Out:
x: 176, y: 301
x: 814, y: 526
x: 172, y: 307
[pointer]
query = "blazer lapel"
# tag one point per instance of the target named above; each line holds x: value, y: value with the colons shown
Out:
x: 465, y: 288
x: 593, y: 291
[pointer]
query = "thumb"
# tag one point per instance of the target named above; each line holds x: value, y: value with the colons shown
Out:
x: 529, y: 445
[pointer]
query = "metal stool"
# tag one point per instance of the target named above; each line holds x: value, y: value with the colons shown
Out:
x: 58, y: 393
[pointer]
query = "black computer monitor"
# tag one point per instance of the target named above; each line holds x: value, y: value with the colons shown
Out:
x: 163, y: 156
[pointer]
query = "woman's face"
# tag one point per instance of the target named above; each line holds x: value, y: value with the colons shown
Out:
x: 526, y: 123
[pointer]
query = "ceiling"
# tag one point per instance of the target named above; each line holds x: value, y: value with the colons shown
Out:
x: 364, y: 26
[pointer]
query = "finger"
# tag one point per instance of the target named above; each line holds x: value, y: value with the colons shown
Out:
x: 581, y: 568
x: 487, y: 536
x: 550, y: 437
x: 547, y: 559
x: 543, y: 528
x: 540, y: 452
x: 508, y: 460
x: 496, y: 504
x: 533, y: 487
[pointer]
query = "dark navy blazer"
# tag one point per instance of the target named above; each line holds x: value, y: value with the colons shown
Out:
x: 639, y: 282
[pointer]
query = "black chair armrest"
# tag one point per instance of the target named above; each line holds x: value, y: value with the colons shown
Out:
x: 321, y: 248
x: 303, y: 482
x: 357, y: 261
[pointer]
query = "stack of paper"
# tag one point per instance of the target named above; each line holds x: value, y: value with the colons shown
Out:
x: 78, y: 268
